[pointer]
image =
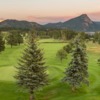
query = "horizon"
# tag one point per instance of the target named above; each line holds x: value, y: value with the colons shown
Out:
x: 48, y: 22
x: 48, y: 11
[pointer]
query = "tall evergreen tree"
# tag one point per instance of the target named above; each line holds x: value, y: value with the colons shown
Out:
x: 32, y: 70
x: 2, y: 43
x: 77, y: 73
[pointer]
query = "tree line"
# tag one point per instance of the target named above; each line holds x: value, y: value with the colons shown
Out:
x: 16, y: 37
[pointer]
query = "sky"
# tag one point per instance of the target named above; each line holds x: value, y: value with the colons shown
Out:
x: 48, y: 11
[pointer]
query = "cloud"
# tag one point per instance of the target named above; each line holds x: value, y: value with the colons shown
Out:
x: 48, y: 19
x: 1, y: 19
x: 95, y: 16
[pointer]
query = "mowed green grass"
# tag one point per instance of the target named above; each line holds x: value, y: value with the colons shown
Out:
x: 56, y: 90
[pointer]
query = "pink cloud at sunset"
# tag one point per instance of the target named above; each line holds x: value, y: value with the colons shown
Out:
x: 95, y: 16
x: 45, y: 20
x: 48, y: 11
x: 1, y: 19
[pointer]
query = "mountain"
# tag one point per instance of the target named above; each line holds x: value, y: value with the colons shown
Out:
x: 80, y: 23
x: 54, y: 25
x: 19, y: 24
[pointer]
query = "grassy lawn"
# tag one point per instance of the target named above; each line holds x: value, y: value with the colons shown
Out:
x: 56, y: 90
x: 50, y: 41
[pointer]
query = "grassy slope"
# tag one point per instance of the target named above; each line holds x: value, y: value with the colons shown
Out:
x: 56, y: 90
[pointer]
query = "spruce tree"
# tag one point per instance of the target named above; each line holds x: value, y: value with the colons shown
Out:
x: 76, y: 74
x: 31, y: 72
x: 2, y: 43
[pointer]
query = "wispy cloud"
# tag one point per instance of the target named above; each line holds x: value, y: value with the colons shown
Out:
x: 95, y: 16
x: 1, y: 19
x: 48, y: 19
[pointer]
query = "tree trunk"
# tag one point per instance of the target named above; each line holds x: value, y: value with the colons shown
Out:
x: 73, y: 89
x: 61, y: 60
x: 11, y: 45
x: 19, y: 44
x: 32, y: 96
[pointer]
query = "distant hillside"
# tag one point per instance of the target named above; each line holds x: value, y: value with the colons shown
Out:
x: 80, y: 23
x: 19, y: 24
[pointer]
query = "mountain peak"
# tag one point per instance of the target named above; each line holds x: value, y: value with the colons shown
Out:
x: 85, y: 19
x: 82, y: 22
x: 84, y: 15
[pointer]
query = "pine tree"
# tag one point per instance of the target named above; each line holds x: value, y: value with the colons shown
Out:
x: 2, y: 43
x: 76, y: 74
x: 32, y: 70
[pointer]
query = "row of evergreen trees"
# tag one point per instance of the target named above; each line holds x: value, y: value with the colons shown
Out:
x: 31, y: 69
